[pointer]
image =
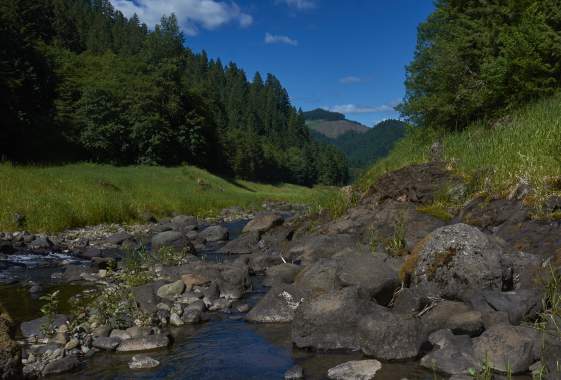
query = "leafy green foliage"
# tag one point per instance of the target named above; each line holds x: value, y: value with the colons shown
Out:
x: 49, y: 310
x: 476, y: 60
x: 78, y: 74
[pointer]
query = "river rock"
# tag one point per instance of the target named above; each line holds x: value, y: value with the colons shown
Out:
x: 284, y: 273
x: 453, y: 354
x: 214, y: 233
x: 184, y: 221
x: 192, y: 279
x: 294, y: 373
x: 389, y: 336
x: 263, y: 223
x: 519, y: 304
x: 314, y: 247
x: 172, y: 239
x: 506, y: 348
x: 120, y: 334
x: 145, y: 343
x: 244, y: 244
x: 355, y: 370
x: 278, y: 306
x: 138, y: 331
x: 191, y: 316
x: 171, y: 291
x: 102, y: 330
x: 330, y: 320
x: 145, y: 296
x: 119, y: 238
x: 106, y: 343
x: 33, y: 328
x: 66, y: 364
x: 457, y: 260
x: 457, y: 316
x: 10, y: 352
x: 143, y: 362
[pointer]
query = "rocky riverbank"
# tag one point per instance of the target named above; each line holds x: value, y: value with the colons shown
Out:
x: 462, y: 289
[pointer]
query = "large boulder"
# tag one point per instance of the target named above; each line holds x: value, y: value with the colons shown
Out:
x: 263, y: 222
x: 214, y: 234
x: 34, y: 328
x: 369, y: 273
x: 453, y: 354
x: 315, y: 247
x: 145, y: 296
x: 508, y: 348
x: 66, y: 364
x: 171, y: 291
x: 284, y: 273
x: 145, y: 343
x: 457, y: 260
x: 520, y: 304
x: 243, y: 245
x: 172, y: 239
x: 389, y: 336
x: 278, y: 306
x: 456, y: 316
x: 10, y: 352
x: 330, y: 320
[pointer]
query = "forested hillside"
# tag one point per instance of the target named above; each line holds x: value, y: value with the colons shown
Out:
x: 363, y: 148
x: 481, y: 60
x: 79, y: 81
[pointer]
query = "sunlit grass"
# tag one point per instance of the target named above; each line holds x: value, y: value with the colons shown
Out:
x: 493, y: 160
x: 56, y: 198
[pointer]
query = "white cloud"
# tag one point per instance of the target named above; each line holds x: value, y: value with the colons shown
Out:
x: 277, y: 39
x: 299, y: 4
x: 350, y: 80
x: 353, y: 108
x: 191, y: 14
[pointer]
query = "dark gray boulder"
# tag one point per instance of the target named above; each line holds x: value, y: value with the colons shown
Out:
x: 66, y: 364
x: 389, y: 336
x: 508, y: 348
x: 172, y: 239
x: 34, y: 327
x: 106, y: 343
x: 314, y: 247
x: 145, y: 296
x: 214, y: 233
x: 453, y: 354
x: 263, y: 222
x: 278, y: 306
x: 520, y: 304
x: 457, y: 260
x: 145, y: 343
x: 330, y: 320
x: 284, y: 273
x: 243, y: 245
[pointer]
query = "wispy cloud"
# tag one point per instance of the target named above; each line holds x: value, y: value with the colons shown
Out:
x: 353, y: 108
x: 191, y: 14
x: 350, y: 80
x: 278, y: 39
x: 299, y: 4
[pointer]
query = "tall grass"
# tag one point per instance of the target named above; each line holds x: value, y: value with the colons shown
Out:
x: 526, y: 147
x: 56, y: 198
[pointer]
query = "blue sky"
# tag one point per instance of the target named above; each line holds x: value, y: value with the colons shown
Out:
x: 344, y: 55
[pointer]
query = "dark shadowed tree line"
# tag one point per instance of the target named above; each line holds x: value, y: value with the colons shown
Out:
x: 79, y: 81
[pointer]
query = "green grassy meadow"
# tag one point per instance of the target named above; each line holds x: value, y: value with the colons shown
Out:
x: 493, y: 159
x: 61, y: 197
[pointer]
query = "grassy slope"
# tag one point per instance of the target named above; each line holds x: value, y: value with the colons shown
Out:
x: 493, y: 159
x: 56, y: 198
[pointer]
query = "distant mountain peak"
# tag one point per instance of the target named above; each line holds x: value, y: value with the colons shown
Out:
x: 332, y: 124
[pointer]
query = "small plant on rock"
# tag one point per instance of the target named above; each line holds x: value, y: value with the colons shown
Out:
x: 49, y: 310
